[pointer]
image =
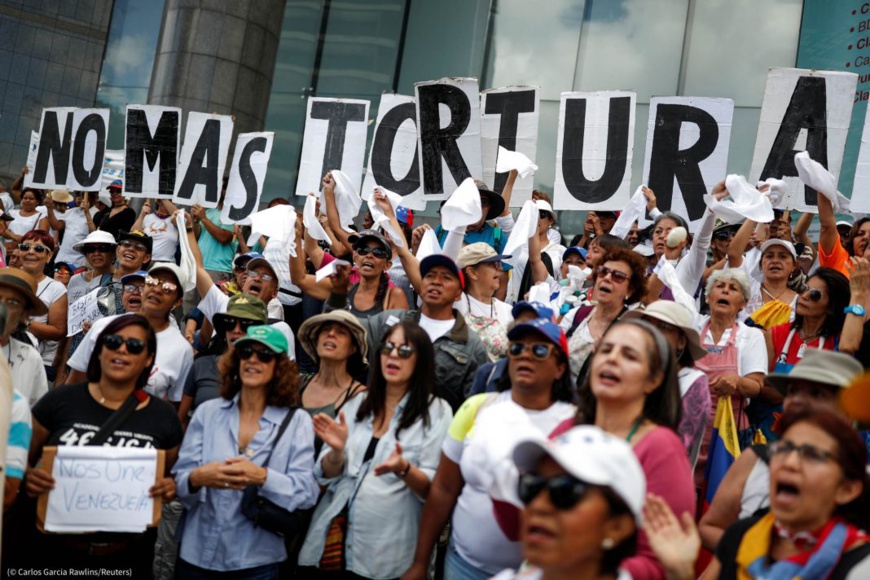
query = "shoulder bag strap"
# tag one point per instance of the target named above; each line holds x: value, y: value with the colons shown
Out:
x: 281, y: 429
x: 117, y: 418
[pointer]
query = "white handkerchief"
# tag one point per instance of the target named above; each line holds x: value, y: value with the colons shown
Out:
x: 508, y: 160
x: 632, y: 212
x: 745, y: 201
x: 309, y: 219
x: 525, y: 227
x: 428, y: 245
x: 188, y: 262
x: 668, y: 275
x: 777, y: 192
x: 540, y: 292
x: 577, y: 275
x: 397, y: 237
x: 815, y: 175
x: 347, y: 199
x: 377, y: 213
x: 277, y: 222
x: 463, y: 208
x: 329, y: 269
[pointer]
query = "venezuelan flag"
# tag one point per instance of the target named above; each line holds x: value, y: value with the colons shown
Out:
x: 724, y: 448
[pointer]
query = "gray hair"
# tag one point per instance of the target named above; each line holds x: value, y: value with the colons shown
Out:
x: 735, y: 274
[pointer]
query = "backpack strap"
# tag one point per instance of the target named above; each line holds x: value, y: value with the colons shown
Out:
x: 579, y: 316
x: 763, y: 452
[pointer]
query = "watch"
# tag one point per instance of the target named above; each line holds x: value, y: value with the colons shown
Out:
x: 855, y: 309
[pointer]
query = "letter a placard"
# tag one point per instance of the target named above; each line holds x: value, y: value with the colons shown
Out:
x: 203, y: 158
x: 593, y: 150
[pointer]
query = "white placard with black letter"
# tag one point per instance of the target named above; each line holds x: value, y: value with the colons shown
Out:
x: 393, y: 157
x: 509, y: 118
x: 54, y: 151
x: 89, y: 130
x: 686, y: 151
x: 803, y: 110
x: 335, y: 138
x: 594, y: 150
x: 247, y: 176
x: 448, y: 128
x: 203, y: 159
x: 152, y: 140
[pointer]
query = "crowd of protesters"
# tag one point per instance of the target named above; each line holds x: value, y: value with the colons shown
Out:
x: 640, y: 400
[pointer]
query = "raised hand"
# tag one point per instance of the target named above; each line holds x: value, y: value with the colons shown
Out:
x: 650, y: 198
x: 332, y: 432
x: 676, y: 543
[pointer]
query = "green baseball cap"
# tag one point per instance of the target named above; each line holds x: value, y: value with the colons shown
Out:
x: 245, y: 306
x: 268, y: 336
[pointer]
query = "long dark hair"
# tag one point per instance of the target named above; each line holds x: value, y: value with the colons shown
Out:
x: 851, y: 457
x: 663, y: 406
x: 421, y: 387
x: 562, y: 389
x: 95, y: 371
x: 283, y: 390
x: 839, y: 296
x: 383, y: 286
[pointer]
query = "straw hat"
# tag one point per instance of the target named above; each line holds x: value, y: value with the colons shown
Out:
x: 835, y: 369
x: 310, y: 329
x: 22, y: 282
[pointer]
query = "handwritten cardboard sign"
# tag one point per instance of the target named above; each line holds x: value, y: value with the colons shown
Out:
x: 100, y: 488
x: 85, y: 309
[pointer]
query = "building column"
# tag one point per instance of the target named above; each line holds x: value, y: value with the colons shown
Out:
x: 218, y: 56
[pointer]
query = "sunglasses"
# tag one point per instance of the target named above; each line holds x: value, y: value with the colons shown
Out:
x: 403, y: 350
x: 538, y: 350
x: 135, y: 245
x: 167, y: 287
x: 104, y: 248
x: 722, y: 236
x: 62, y: 269
x: 114, y: 342
x: 36, y: 248
x: 615, y: 275
x: 227, y: 323
x: 258, y: 276
x: 809, y: 453
x: 133, y: 287
x: 264, y: 355
x: 565, y: 491
x: 377, y: 252
x: 812, y: 294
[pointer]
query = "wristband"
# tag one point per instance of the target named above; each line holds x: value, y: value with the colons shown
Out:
x: 405, y: 471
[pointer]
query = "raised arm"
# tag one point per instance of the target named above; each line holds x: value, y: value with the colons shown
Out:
x: 332, y: 216
x: 300, y: 277
x: 801, y: 229
x: 140, y: 220
x: 828, y: 236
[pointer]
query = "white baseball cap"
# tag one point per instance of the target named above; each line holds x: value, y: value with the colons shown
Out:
x: 778, y: 242
x: 592, y: 456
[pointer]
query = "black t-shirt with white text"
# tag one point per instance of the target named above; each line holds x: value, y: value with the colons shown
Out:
x: 72, y: 417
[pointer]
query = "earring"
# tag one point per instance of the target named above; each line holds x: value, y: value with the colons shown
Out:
x: 607, y: 543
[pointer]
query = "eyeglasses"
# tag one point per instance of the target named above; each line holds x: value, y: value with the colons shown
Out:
x: 133, y: 287
x: 227, y: 323
x: 564, y: 490
x: 36, y: 248
x: 103, y: 248
x: 114, y: 342
x: 257, y: 275
x: 62, y: 269
x: 139, y: 247
x: 167, y: 287
x: 264, y: 355
x: 403, y: 350
x: 615, y: 275
x: 809, y: 453
x: 376, y: 252
x: 538, y: 350
x: 812, y: 294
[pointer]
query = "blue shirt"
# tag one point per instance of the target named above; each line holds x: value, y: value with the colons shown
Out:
x: 486, y: 234
x: 384, y: 515
x: 20, y: 432
x: 216, y: 535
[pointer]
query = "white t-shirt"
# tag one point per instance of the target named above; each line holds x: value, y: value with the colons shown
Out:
x: 21, y: 225
x: 164, y: 235
x: 499, y: 310
x: 477, y: 536
x: 436, y: 328
x: 172, y: 362
x: 8, y: 202
x: 216, y: 302
x: 75, y: 230
x: 49, y: 291
x: 28, y: 373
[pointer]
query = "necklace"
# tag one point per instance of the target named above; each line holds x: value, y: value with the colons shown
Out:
x: 102, y: 396
x: 772, y: 297
x: 807, y: 337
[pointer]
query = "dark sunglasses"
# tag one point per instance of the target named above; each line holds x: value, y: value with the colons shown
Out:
x: 377, y: 252
x: 103, y: 248
x: 403, y: 350
x: 538, y: 350
x: 615, y: 275
x: 114, y: 342
x: 812, y: 294
x: 227, y: 323
x: 135, y: 245
x: 564, y: 490
x: 36, y: 248
x: 722, y: 236
x: 264, y: 355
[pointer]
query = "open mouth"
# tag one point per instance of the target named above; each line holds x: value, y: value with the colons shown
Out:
x: 135, y: 301
x: 723, y: 302
x: 392, y: 367
x: 367, y: 266
x: 119, y: 362
x: 537, y: 533
x: 255, y: 289
x: 786, y: 492
x: 608, y: 377
x: 129, y: 257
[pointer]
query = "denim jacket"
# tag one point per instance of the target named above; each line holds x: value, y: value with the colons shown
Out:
x: 384, y: 514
